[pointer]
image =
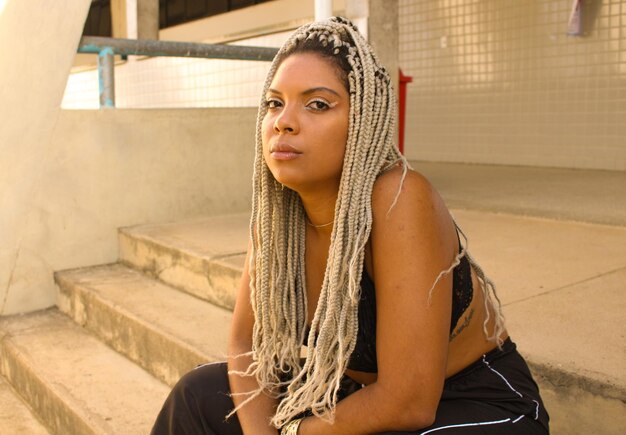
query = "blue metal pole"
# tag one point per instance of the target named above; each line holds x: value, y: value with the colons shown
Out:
x: 106, y: 77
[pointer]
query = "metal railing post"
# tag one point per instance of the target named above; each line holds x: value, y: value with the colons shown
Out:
x: 106, y: 77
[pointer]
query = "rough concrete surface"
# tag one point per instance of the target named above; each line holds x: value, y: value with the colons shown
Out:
x: 76, y: 383
x: 225, y: 235
x: 165, y: 331
x: 195, y: 256
x: 567, y: 194
x: 527, y: 257
x: 579, y: 329
x: 15, y: 417
x: 574, y: 410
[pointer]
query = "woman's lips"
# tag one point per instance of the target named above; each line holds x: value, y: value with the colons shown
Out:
x: 284, y: 155
x: 284, y: 152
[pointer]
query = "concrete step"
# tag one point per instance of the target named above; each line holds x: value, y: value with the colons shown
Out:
x: 164, y: 330
x: 15, y: 416
x: 583, y: 195
x: 74, y: 382
x: 202, y: 257
x: 585, y: 379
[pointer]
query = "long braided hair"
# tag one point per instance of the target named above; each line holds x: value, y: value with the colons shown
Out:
x: 277, y: 230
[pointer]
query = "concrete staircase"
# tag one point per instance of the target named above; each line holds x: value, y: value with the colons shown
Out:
x: 102, y: 361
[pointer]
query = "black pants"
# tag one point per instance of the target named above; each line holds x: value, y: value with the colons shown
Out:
x: 494, y: 395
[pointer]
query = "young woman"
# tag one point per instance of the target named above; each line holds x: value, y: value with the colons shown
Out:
x: 355, y: 256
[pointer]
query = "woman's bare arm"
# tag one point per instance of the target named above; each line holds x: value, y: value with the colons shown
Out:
x: 410, y: 247
x: 254, y: 417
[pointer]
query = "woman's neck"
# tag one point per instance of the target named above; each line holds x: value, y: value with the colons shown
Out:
x: 320, y: 210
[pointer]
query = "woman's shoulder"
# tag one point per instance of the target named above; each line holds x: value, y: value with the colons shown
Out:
x: 395, y: 187
x: 406, y: 208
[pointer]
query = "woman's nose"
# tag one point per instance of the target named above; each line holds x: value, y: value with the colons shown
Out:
x: 286, y: 121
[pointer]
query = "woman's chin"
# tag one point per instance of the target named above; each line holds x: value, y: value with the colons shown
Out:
x: 287, y: 182
x: 287, y: 179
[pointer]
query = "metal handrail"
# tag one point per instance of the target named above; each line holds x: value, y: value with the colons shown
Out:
x: 107, y: 48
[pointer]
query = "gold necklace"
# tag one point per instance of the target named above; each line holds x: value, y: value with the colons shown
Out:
x: 318, y: 226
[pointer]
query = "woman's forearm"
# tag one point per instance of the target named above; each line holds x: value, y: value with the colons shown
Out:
x: 368, y: 411
x: 255, y: 416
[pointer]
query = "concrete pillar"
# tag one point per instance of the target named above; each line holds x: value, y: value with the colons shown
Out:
x: 323, y: 9
x: 119, y: 19
x: 378, y: 21
x: 135, y: 19
x: 384, y: 34
x: 147, y: 19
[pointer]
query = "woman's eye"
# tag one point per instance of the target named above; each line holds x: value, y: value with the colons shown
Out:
x: 319, y: 105
x: 272, y: 103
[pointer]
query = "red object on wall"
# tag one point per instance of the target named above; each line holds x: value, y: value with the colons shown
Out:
x: 402, y: 106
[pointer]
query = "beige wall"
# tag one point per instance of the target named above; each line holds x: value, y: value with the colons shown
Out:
x: 501, y: 82
x: 104, y: 169
x: 37, y: 46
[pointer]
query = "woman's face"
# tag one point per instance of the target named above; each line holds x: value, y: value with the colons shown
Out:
x: 306, y: 126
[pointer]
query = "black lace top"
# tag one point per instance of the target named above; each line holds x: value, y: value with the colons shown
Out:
x: 364, y: 355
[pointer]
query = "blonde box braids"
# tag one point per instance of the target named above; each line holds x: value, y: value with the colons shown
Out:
x: 277, y: 229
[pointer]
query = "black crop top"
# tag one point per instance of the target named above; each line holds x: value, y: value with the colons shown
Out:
x: 363, y: 357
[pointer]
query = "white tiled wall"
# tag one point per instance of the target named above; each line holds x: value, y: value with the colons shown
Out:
x: 499, y: 81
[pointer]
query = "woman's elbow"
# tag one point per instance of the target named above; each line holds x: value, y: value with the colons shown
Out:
x: 417, y: 417
x: 410, y: 412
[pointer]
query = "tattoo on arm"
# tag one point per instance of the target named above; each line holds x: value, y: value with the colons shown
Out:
x: 463, y: 325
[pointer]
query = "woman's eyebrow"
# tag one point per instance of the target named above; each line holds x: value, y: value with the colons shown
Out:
x: 308, y: 91
x: 320, y: 88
